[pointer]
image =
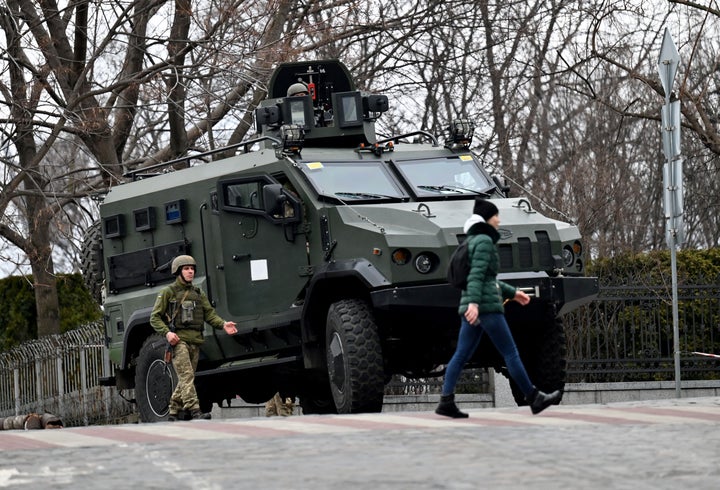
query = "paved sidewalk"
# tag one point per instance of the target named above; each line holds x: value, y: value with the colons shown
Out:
x: 635, y: 445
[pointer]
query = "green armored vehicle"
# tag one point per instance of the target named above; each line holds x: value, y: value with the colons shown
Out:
x: 329, y: 249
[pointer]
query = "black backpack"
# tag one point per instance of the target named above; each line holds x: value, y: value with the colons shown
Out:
x: 459, y: 267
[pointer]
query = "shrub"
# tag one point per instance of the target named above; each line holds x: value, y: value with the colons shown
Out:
x: 18, y: 320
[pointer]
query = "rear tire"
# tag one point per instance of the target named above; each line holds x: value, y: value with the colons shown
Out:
x: 354, y: 357
x: 154, y: 381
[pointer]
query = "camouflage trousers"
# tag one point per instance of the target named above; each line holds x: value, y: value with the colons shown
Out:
x: 185, y: 361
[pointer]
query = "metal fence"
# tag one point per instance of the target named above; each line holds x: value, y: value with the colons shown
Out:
x: 470, y: 381
x: 59, y: 375
x: 625, y: 335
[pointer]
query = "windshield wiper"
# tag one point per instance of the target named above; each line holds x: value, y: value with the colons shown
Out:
x: 364, y: 195
x: 453, y: 188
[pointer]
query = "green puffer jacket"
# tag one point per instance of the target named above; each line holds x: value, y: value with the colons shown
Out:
x: 483, y: 287
x: 200, y: 311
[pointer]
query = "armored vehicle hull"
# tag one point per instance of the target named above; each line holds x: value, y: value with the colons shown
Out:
x: 329, y: 249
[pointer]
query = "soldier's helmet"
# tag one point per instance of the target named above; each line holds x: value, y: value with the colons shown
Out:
x: 297, y: 88
x: 181, y: 260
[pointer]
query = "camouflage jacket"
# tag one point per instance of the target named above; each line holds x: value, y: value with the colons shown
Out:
x: 189, y: 308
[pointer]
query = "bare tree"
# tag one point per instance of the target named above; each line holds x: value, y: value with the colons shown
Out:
x: 564, y: 95
x: 92, y: 90
x: 620, y: 74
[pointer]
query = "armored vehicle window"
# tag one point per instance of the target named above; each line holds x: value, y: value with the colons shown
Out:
x: 445, y: 176
x: 245, y: 195
x: 260, y: 195
x: 353, y: 180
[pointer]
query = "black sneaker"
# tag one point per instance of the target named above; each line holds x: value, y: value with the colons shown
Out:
x: 173, y: 417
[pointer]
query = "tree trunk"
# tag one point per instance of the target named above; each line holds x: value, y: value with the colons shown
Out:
x: 44, y: 279
x: 46, y: 300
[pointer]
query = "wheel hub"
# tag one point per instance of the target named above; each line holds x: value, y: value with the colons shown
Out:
x: 337, y: 376
x: 159, y: 387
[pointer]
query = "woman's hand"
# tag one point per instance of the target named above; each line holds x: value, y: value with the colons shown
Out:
x: 471, y: 314
x: 521, y: 297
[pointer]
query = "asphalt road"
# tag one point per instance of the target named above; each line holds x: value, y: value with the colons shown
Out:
x: 665, y: 444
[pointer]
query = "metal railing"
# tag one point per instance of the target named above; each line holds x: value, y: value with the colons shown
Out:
x: 59, y: 375
x: 625, y: 335
x: 470, y: 381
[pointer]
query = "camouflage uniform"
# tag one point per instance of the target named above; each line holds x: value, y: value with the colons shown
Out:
x: 185, y: 360
x: 191, y: 309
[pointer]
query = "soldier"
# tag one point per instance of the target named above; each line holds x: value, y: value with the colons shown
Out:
x: 179, y: 314
x: 298, y: 89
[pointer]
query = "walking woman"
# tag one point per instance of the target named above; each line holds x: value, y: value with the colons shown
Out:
x: 481, y: 311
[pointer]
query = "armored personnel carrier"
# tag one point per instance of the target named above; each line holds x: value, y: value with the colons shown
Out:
x: 328, y: 246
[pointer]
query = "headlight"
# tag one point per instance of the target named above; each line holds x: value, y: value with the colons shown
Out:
x: 568, y: 256
x: 424, y: 263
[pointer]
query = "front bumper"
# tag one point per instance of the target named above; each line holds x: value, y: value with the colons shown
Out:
x: 567, y: 293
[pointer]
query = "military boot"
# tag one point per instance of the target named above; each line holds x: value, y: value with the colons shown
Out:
x: 197, y: 414
x: 179, y: 415
x: 448, y: 408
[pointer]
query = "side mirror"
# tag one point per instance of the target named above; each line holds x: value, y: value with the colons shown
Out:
x: 504, y: 188
x: 273, y: 199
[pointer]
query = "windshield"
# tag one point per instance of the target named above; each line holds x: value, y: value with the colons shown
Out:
x: 445, y: 176
x: 353, y: 180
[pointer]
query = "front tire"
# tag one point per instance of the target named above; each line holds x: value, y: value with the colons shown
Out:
x: 154, y: 381
x: 354, y: 357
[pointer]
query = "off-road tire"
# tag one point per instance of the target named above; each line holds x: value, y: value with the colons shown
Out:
x: 91, y: 261
x: 540, y: 337
x: 354, y: 357
x: 154, y: 381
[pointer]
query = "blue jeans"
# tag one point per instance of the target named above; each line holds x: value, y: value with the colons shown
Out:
x: 498, y: 330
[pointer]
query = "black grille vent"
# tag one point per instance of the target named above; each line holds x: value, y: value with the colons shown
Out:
x: 506, y: 257
x: 525, y: 252
x: 544, y: 249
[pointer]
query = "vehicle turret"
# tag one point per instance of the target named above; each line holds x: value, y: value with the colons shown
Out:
x: 334, y: 113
